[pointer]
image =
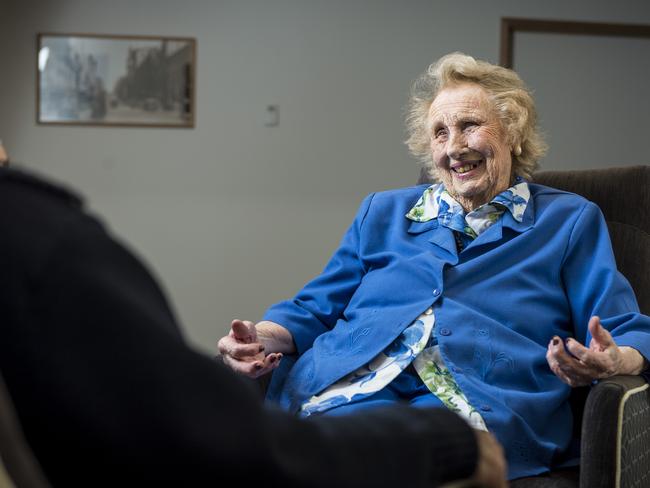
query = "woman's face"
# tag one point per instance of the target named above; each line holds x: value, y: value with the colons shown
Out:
x: 470, y: 152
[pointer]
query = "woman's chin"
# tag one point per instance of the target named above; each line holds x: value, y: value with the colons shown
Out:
x: 468, y: 188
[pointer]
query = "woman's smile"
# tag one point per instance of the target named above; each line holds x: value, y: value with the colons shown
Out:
x: 465, y: 169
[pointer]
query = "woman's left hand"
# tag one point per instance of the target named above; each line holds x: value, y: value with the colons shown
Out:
x: 577, y: 365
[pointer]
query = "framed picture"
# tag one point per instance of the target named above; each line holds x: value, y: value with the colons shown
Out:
x: 116, y: 80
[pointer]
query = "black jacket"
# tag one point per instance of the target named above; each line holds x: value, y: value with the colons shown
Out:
x: 109, y: 393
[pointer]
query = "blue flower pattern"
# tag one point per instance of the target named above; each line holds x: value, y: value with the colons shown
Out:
x: 377, y: 373
x: 437, y: 203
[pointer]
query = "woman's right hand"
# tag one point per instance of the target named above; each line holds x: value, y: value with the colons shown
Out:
x: 254, y: 350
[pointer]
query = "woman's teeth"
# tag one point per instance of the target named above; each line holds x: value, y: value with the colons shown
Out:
x: 466, y: 168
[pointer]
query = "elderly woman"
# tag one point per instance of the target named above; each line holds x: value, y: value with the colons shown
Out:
x: 476, y: 293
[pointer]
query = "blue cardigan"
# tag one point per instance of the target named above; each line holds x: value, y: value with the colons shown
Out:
x: 498, y: 304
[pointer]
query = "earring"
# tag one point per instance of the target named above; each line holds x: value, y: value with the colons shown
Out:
x: 517, y: 151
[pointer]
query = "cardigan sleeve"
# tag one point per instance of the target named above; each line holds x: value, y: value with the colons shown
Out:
x: 388, y: 447
x: 316, y: 308
x: 594, y: 286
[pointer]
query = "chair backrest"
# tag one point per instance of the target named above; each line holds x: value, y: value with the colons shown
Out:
x: 623, y: 195
x: 20, y: 464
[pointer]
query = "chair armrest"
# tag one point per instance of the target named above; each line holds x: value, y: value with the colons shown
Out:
x: 615, y: 446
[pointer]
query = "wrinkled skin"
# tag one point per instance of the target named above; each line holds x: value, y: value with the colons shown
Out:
x: 469, y: 148
x: 255, y: 349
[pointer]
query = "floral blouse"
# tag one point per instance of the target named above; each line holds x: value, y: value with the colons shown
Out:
x: 418, y: 344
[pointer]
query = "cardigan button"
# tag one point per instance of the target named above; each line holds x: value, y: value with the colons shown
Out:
x: 486, y: 408
x: 436, y: 292
x: 445, y: 332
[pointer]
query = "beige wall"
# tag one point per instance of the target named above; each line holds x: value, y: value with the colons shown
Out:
x: 234, y: 215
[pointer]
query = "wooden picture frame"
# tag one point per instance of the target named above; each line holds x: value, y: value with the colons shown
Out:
x: 111, y: 80
x: 511, y: 25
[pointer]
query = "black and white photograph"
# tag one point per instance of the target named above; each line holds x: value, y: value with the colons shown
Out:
x: 116, y: 80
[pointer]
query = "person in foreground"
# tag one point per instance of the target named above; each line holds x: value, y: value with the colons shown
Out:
x: 109, y: 394
x: 484, y: 292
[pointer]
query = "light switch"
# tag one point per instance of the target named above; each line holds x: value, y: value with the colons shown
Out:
x: 272, y: 116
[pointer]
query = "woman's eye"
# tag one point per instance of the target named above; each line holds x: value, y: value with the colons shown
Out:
x: 469, y: 124
x: 440, y: 132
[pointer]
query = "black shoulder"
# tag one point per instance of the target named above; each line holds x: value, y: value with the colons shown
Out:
x: 28, y: 182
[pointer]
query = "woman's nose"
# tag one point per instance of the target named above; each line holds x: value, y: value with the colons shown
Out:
x: 456, y: 145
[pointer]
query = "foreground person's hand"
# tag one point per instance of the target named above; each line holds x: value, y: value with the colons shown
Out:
x: 492, y: 468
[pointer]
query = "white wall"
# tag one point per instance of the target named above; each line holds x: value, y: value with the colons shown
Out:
x: 597, y: 117
x: 234, y: 215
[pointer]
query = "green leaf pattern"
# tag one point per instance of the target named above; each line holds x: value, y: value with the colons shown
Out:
x: 436, y: 376
x: 426, y: 208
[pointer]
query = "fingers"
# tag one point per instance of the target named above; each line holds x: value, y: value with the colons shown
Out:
x: 600, y: 335
x: 241, y: 351
x: 595, y: 361
x: 566, y: 367
x: 580, y: 352
x: 269, y: 363
x: 554, y: 364
x: 272, y: 360
x: 243, y: 330
x: 254, y: 369
x: 577, y: 365
x: 250, y: 369
x: 228, y: 346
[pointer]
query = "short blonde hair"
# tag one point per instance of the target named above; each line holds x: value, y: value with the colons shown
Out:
x: 509, y: 95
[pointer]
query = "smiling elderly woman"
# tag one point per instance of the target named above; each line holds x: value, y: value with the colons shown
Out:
x: 477, y: 293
